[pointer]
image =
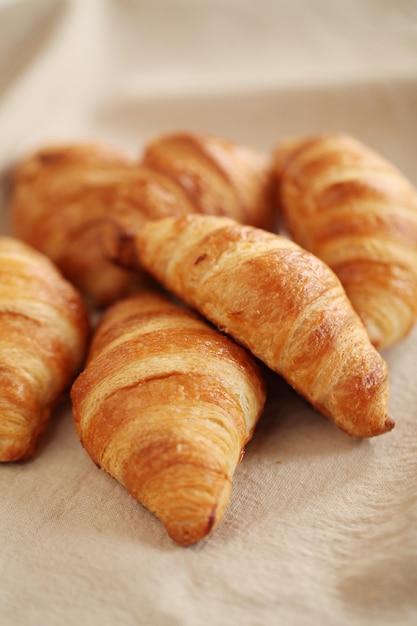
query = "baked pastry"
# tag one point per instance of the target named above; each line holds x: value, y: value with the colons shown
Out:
x: 166, y: 405
x: 62, y: 195
x: 57, y: 195
x: 357, y: 212
x: 282, y: 303
x: 208, y: 174
x: 44, y: 328
x: 221, y: 177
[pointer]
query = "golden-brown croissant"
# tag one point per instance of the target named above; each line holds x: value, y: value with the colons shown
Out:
x: 221, y: 177
x: 57, y: 195
x: 60, y: 194
x: 165, y: 405
x: 357, y: 212
x: 211, y: 175
x: 43, y: 335
x: 282, y: 303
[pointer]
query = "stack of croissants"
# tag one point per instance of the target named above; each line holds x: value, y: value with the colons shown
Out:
x: 211, y: 265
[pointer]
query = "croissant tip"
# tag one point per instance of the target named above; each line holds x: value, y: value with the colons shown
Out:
x: 389, y: 424
x: 189, y: 533
x: 384, y: 427
x: 14, y: 450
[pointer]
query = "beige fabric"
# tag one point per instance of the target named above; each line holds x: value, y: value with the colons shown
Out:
x: 321, y: 529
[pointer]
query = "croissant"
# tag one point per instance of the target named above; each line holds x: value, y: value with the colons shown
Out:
x: 166, y: 405
x: 57, y: 195
x: 43, y: 336
x: 357, y: 212
x: 221, y: 177
x: 61, y: 194
x: 282, y: 303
